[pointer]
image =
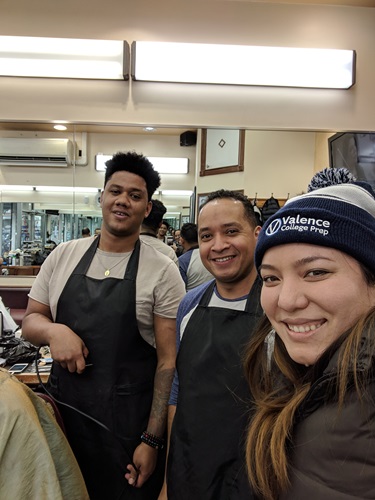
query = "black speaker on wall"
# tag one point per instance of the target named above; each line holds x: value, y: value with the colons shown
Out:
x: 188, y: 138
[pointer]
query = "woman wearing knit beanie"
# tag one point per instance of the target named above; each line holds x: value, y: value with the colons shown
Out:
x: 311, y: 363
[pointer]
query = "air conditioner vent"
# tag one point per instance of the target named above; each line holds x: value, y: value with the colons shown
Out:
x: 36, y: 152
x: 33, y: 159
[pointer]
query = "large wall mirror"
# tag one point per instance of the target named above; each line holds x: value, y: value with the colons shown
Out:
x: 51, y: 183
x: 44, y: 205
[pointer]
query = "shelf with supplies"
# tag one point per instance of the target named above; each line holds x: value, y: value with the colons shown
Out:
x: 21, y: 270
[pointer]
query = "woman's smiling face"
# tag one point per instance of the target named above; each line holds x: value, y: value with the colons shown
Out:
x: 311, y: 295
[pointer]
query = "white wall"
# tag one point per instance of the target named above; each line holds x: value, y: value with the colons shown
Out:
x: 210, y: 21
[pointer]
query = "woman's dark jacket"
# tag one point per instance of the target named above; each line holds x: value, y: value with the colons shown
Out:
x: 333, y: 451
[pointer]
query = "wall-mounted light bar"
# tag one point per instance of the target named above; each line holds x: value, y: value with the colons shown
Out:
x: 9, y: 187
x: 242, y: 65
x: 161, y: 164
x: 64, y: 58
x: 177, y: 62
x: 49, y: 189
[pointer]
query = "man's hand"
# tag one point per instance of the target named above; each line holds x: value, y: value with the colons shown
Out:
x: 144, y: 459
x: 67, y: 348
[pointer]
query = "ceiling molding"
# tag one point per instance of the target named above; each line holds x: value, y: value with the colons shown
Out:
x: 344, y: 3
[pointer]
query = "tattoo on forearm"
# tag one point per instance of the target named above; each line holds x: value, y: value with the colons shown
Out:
x: 162, y: 387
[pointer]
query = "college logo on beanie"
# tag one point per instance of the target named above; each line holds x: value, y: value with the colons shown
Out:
x: 273, y: 227
x: 298, y: 223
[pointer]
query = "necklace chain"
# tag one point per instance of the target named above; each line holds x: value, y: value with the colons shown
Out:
x: 107, y: 270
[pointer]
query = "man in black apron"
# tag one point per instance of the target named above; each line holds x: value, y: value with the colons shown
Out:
x: 210, y: 400
x: 103, y: 366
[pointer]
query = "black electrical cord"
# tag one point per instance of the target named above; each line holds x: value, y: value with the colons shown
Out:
x: 103, y: 426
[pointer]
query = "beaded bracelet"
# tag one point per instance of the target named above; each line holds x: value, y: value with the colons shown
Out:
x: 152, y: 440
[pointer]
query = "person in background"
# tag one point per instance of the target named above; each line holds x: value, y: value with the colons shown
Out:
x: 311, y: 364
x: 176, y: 245
x: 86, y: 232
x: 49, y: 247
x: 149, y: 230
x: 36, y: 459
x: 207, y: 416
x: 192, y: 270
x: 97, y: 231
x: 162, y: 232
x: 107, y: 308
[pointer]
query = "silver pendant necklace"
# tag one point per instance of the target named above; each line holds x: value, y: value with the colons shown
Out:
x: 107, y: 270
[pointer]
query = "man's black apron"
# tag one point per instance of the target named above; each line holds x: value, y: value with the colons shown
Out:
x: 117, y: 390
x: 206, y: 458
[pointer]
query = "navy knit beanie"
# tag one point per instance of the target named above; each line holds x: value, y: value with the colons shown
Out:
x: 340, y: 215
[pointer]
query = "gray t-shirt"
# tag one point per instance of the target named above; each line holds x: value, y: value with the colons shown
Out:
x: 159, y: 245
x: 159, y: 286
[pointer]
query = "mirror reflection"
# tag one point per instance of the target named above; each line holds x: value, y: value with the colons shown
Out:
x: 30, y: 233
x: 49, y: 194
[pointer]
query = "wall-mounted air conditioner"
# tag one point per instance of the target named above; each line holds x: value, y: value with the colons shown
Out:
x: 36, y: 152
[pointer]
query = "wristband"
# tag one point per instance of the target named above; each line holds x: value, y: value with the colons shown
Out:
x: 152, y: 440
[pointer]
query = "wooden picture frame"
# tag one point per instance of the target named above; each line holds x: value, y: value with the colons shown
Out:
x: 200, y: 199
x: 222, y: 151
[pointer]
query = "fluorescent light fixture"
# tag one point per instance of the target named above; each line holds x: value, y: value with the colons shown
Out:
x: 161, y: 164
x: 8, y: 187
x: 170, y: 165
x: 243, y: 65
x: 66, y: 189
x: 175, y: 192
x: 60, y: 127
x: 100, y: 162
x: 64, y: 58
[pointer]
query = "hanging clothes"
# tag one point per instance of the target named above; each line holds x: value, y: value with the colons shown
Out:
x: 258, y: 213
x: 270, y: 207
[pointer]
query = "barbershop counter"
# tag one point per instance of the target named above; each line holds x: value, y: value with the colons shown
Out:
x: 29, y: 375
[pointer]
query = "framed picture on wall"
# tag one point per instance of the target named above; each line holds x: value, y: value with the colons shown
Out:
x: 201, y: 199
x: 222, y: 151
